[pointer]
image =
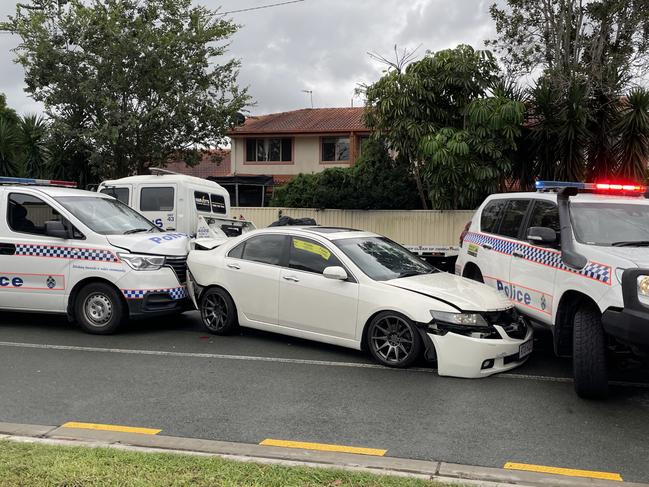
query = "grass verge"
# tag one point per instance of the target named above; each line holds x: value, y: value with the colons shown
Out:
x: 29, y: 464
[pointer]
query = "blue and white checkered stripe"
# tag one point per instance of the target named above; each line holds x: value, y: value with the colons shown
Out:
x: 58, y: 252
x: 593, y: 270
x: 175, y: 293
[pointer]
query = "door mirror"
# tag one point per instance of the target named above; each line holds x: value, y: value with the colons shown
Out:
x: 55, y: 228
x: 335, y: 272
x: 541, y: 235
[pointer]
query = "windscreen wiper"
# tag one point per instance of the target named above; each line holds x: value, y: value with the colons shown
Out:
x: 411, y: 274
x: 136, y: 230
x: 631, y: 243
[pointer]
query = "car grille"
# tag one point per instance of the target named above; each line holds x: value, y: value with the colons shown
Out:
x: 511, y: 322
x: 179, y: 265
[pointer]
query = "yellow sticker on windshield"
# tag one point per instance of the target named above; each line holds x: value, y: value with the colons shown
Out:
x: 313, y: 248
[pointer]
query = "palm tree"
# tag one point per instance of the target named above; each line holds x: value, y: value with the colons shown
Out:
x: 633, y: 128
x: 9, y: 148
x: 32, y: 135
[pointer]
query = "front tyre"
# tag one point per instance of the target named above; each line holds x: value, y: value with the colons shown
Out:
x: 393, y: 340
x: 218, y: 312
x: 589, y: 353
x: 99, y: 309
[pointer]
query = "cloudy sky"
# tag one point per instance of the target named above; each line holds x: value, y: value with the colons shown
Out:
x: 318, y: 45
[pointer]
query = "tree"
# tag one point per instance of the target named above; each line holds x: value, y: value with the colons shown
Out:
x: 8, y: 148
x: 32, y: 137
x: 136, y: 81
x: 440, y: 116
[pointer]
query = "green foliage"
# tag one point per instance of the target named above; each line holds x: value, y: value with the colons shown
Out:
x: 375, y: 181
x: 136, y: 81
x: 9, y: 148
x: 32, y: 137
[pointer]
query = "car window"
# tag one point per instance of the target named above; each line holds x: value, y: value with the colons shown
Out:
x: 120, y: 194
x: 157, y: 199
x: 267, y: 249
x: 513, y: 218
x: 237, y: 252
x: 491, y: 216
x: 545, y: 214
x: 310, y: 256
x: 218, y: 204
x: 28, y: 214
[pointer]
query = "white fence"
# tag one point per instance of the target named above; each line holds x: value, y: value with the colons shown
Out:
x: 408, y: 227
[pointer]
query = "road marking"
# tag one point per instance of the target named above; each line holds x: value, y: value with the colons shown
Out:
x: 110, y: 427
x: 329, y: 363
x: 570, y: 472
x: 324, y: 447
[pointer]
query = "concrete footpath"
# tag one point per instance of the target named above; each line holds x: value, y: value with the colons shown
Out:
x: 439, y: 471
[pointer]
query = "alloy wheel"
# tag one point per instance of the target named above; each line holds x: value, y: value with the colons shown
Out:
x: 214, y: 312
x: 392, y: 339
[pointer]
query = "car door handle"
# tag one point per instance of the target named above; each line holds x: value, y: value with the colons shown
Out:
x: 517, y: 254
x: 487, y: 246
x: 291, y: 278
x: 233, y: 266
x: 7, y: 249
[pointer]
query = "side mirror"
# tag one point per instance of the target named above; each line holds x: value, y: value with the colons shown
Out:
x: 55, y: 228
x: 335, y: 272
x: 542, y: 235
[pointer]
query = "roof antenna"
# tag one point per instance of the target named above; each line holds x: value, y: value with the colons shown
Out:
x: 309, y: 92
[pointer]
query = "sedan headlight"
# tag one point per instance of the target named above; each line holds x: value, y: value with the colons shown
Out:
x: 643, y: 289
x: 466, y: 319
x: 140, y: 262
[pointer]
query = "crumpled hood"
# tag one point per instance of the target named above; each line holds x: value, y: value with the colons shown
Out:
x: 161, y: 243
x: 461, y: 292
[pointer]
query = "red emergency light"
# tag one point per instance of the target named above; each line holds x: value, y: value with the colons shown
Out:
x: 619, y: 188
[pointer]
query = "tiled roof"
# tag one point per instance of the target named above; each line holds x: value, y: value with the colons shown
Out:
x: 307, y: 120
x: 207, y: 167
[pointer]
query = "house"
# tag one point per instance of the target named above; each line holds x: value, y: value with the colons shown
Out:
x: 213, y: 164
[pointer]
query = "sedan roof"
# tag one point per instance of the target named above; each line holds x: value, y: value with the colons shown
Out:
x: 329, y: 233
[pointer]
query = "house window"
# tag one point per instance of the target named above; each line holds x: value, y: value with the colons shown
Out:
x: 269, y: 150
x: 335, y: 149
x: 362, y: 140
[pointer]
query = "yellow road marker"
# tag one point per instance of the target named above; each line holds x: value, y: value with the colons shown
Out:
x: 324, y: 447
x: 571, y: 472
x: 110, y: 427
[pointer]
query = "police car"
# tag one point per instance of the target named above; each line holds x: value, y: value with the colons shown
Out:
x: 572, y: 257
x: 63, y: 250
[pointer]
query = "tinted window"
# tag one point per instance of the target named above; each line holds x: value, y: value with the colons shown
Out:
x: 120, y: 194
x: 513, y: 218
x: 335, y: 149
x: 545, y: 214
x: 265, y: 248
x: 308, y: 255
x: 157, y: 199
x: 202, y: 201
x: 28, y: 214
x: 218, y: 204
x: 237, y: 252
x: 491, y: 216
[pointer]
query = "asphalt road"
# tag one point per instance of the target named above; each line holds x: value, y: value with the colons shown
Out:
x: 170, y: 374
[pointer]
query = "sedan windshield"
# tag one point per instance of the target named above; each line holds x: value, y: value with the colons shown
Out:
x: 382, y: 259
x: 619, y: 225
x: 106, y: 216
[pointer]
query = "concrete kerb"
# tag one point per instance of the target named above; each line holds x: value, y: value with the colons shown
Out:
x: 440, y: 471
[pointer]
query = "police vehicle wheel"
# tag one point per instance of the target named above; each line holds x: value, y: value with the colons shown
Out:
x: 589, y: 354
x: 393, y: 340
x: 218, y: 312
x: 99, y: 309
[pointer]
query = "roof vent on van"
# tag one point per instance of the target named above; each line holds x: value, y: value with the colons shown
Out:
x: 158, y: 171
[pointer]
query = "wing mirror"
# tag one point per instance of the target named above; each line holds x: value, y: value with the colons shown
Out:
x: 56, y: 229
x: 335, y: 272
x: 542, y: 235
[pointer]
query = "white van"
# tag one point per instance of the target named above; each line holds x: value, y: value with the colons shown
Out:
x: 63, y: 250
x: 175, y: 202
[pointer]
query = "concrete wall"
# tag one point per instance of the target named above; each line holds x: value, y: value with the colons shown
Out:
x: 417, y: 227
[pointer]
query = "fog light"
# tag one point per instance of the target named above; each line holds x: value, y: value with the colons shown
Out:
x: 487, y: 364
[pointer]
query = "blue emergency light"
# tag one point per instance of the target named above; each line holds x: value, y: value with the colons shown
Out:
x: 37, y: 182
x: 608, y: 188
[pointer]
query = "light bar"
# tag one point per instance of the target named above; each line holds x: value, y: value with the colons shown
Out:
x: 610, y: 188
x: 37, y: 182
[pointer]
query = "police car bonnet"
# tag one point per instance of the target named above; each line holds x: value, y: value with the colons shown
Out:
x: 160, y: 243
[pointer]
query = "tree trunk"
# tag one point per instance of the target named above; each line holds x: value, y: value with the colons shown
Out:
x: 420, y: 186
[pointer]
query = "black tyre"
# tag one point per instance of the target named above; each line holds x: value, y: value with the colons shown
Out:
x: 474, y: 274
x: 218, y: 312
x: 99, y: 309
x: 393, y: 340
x: 589, y: 353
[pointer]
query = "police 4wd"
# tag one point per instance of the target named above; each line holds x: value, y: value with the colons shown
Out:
x: 573, y: 257
x: 86, y: 254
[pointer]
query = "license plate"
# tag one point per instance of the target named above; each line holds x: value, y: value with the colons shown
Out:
x: 525, y: 349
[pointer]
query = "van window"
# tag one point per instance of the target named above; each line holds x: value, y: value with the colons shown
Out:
x: 218, y: 204
x: 513, y: 218
x: 28, y: 214
x: 120, y: 194
x: 491, y: 216
x: 157, y: 199
x: 202, y: 201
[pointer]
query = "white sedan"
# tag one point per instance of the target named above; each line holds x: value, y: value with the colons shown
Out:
x: 358, y: 290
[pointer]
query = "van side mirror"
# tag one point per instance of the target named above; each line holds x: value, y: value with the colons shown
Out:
x: 542, y: 235
x: 335, y: 272
x: 56, y: 229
